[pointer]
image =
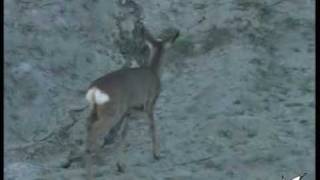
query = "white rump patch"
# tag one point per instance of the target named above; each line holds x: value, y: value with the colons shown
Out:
x: 101, y: 97
x: 95, y: 95
x: 89, y: 95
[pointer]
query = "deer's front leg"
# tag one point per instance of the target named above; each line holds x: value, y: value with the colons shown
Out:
x: 154, y: 135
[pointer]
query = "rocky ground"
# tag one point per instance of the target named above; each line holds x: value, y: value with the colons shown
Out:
x: 237, y: 100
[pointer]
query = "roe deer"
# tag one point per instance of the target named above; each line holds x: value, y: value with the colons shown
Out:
x: 114, y: 94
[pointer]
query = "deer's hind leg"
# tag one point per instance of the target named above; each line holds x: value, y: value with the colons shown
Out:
x: 122, y: 149
x: 99, y: 123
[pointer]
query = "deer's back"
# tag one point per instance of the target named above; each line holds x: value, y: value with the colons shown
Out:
x: 131, y: 87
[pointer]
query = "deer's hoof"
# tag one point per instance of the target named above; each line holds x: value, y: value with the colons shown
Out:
x: 121, y: 167
x: 156, y: 156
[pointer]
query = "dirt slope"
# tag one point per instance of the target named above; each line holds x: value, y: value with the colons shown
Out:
x: 237, y: 100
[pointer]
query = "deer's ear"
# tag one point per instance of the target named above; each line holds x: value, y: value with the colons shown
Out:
x: 148, y: 38
x: 177, y: 34
x: 168, y: 42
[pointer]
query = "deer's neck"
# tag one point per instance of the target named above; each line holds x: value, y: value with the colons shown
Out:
x: 155, y: 58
